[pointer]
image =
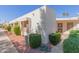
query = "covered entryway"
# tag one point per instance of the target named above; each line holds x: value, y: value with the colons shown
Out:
x: 25, y: 26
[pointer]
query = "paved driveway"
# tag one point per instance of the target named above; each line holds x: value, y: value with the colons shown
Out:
x: 5, y: 44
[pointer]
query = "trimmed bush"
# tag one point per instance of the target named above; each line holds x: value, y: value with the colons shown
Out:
x: 9, y: 28
x: 35, y: 40
x: 17, y: 30
x: 55, y: 38
x: 73, y: 32
x: 71, y: 44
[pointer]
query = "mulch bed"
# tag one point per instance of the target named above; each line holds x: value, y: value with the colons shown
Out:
x: 18, y: 42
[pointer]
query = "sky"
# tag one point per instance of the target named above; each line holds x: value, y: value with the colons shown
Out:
x: 10, y: 12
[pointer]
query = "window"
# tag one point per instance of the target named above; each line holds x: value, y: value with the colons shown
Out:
x: 59, y: 24
x: 60, y: 30
x: 60, y: 27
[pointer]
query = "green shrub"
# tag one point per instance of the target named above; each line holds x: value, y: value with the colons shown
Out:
x: 55, y: 38
x: 73, y: 32
x: 35, y: 40
x: 17, y: 30
x: 5, y: 27
x: 9, y: 28
x: 71, y: 44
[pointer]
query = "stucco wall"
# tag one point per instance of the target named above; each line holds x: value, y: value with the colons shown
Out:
x: 45, y: 17
x: 64, y: 22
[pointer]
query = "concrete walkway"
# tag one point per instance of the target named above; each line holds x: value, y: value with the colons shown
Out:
x: 57, y: 49
x: 5, y: 44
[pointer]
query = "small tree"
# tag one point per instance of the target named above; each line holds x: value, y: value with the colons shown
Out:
x: 17, y: 30
x: 9, y: 28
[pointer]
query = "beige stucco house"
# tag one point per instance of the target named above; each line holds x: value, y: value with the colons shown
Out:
x: 65, y: 24
x: 46, y: 18
x: 41, y: 20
